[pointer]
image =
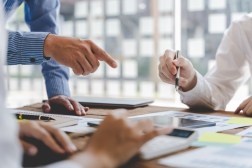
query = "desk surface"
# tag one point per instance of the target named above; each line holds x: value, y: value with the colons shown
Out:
x: 136, y: 162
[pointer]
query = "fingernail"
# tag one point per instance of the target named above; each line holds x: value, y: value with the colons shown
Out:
x: 32, y: 151
x: 72, y: 148
x: 114, y: 64
x: 78, y: 112
x: 70, y: 108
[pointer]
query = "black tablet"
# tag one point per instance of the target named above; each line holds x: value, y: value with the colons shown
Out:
x: 164, y: 120
x: 167, y: 121
x: 105, y: 102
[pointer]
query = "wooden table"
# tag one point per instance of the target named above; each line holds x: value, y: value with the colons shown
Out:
x: 135, y: 162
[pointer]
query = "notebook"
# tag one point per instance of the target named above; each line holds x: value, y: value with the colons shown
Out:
x: 104, y: 102
x: 59, y: 122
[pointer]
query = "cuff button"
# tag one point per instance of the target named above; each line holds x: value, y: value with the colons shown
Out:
x: 32, y: 60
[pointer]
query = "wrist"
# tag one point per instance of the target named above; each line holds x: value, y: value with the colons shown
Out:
x: 48, y: 45
x: 192, y: 83
x: 93, y: 160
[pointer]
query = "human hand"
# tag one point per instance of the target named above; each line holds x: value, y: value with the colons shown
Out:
x: 56, y: 140
x: 82, y: 56
x: 167, y: 71
x: 117, y: 140
x: 58, y: 103
x: 245, y: 107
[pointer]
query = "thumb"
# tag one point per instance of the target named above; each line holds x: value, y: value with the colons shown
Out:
x: 46, y: 107
x: 29, y: 149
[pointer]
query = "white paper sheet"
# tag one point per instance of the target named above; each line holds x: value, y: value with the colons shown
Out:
x: 238, y: 156
x: 81, y: 127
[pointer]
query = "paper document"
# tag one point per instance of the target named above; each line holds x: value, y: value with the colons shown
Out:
x: 82, y: 126
x: 238, y: 156
x: 221, y: 122
x: 44, y: 114
x: 75, y: 124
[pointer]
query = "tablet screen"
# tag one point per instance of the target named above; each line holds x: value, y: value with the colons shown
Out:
x: 163, y: 120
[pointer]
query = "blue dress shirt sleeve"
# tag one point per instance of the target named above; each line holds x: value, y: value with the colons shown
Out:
x: 25, y: 48
x: 42, y: 16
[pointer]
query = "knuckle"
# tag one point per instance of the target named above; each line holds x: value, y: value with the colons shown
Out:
x: 85, y: 73
x: 44, y: 135
x: 163, y: 68
x: 32, y: 124
x: 56, y: 131
x: 155, y: 132
x: 89, y: 69
x: 98, y: 64
x: 167, y: 51
x: 89, y: 42
x: 85, y: 49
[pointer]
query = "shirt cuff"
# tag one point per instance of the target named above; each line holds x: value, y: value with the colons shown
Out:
x: 57, y: 86
x: 32, y: 47
x: 193, y: 97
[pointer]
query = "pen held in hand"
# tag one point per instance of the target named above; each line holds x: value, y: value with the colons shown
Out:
x: 178, y: 73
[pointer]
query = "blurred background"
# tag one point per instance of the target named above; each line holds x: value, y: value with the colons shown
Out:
x: 136, y: 33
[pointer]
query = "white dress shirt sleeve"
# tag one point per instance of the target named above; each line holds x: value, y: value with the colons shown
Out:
x: 10, y: 150
x: 231, y: 70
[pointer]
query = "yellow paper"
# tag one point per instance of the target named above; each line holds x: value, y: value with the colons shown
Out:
x: 219, y: 138
x: 240, y: 120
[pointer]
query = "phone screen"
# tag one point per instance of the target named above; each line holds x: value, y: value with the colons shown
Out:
x: 181, y: 133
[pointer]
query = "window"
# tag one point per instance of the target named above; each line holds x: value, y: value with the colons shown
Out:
x: 135, y: 32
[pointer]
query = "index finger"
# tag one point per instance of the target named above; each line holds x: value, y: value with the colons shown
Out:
x: 169, y: 57
x: 61, y: 138
x: 242, y: 106
x: 156, y: 132
x: 102, y: 55
x: 170, y: 54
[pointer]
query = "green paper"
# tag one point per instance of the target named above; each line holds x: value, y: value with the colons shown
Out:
x: 240, y: 120
x: 219, y: 138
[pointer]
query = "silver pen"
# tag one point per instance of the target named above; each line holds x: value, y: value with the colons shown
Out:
x: 178, y: 72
